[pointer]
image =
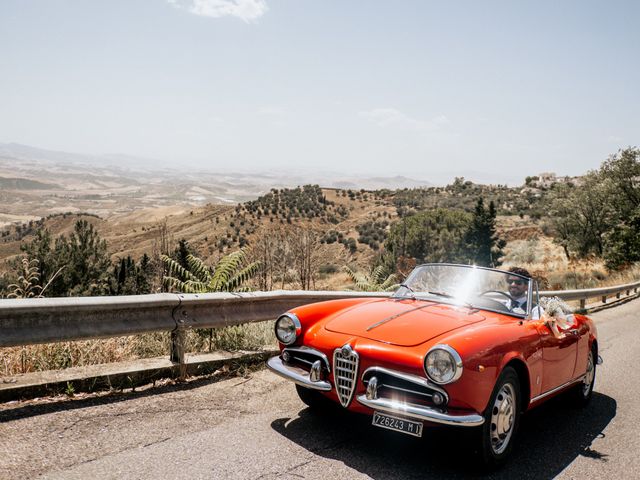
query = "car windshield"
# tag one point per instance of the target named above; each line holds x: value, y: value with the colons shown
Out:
x: 475, y: 287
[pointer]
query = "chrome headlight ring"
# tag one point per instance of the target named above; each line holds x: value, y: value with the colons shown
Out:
x: 288, y: 328
x: 443, y: 364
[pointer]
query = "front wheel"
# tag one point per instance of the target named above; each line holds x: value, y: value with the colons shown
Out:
x: 501, y: 419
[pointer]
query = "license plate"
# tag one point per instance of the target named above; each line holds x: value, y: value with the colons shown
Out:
x: 397, y: 424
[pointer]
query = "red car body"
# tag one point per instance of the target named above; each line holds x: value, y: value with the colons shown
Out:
x: 392, y: 336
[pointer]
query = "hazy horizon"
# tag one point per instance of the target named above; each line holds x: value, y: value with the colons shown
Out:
x: 306, y: 174
x: 491, y: 91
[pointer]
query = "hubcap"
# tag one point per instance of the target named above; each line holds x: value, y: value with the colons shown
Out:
x: 589, y: 376
x: 503, y: 418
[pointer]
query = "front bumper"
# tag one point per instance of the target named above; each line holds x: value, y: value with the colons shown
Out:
x: 297, y: 375
x: 421, y: 412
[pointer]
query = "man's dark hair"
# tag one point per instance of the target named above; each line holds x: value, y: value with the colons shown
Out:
x: 520, y: 271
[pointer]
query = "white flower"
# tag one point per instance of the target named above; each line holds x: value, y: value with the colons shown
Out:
x: 555, y: 307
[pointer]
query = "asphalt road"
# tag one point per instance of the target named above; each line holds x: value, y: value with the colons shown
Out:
x: 256, y: 428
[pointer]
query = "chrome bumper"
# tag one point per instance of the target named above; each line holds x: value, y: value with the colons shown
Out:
x: 421, y: 413
x: 295, y: 374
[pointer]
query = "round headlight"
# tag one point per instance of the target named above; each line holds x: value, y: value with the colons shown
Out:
x: 443, y: 364
x: 288, y: 328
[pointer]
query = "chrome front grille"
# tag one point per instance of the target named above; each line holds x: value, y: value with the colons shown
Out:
x: 409, y: 388
x: 345, y: 373
x: 304, y: 357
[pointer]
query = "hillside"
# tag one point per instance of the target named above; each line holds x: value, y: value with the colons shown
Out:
x: 353, y: 223
x: 36, y: 183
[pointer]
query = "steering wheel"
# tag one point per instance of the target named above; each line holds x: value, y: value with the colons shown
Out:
x: 504, y: 294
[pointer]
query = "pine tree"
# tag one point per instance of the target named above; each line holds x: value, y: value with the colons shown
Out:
x: 483, y: 246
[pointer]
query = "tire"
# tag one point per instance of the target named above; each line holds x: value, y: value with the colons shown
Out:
x: 501, y: 420
x: 582, y: 393
x: 313, y: 399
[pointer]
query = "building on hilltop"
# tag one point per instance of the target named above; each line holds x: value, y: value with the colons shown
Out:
x: 545, y: 180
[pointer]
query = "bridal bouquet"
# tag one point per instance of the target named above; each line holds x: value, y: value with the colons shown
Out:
x: 557, y: 314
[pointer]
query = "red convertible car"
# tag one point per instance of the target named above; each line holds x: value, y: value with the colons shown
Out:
x: 451, y: 346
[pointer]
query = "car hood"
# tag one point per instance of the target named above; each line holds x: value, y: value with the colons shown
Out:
x: 402, y: 322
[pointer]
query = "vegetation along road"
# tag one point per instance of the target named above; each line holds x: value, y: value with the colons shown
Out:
x: 256, y: 428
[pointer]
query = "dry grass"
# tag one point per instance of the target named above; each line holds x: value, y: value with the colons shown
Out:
x: 57, y: 356
x: 250, y: 336
x: 547, y: 262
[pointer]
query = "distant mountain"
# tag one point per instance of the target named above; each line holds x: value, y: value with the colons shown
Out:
x: 26, y: 152
x: 250, y: 184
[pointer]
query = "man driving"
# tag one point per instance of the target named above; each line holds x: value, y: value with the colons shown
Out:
x: 518, y: 290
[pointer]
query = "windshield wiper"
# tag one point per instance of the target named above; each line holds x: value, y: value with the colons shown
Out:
x: 413, y: 293
x: 407, y: 287
x: 440, y: 294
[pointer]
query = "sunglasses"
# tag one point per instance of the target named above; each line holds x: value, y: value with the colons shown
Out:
x: 515, y: 281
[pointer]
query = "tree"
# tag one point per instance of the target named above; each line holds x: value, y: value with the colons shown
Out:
x: 272, y: 252
x: 307, y: 254
x: 622, y: 241
x: 74, y: 266
x: 623, y: 171
x: 482, y: 244
x: 182, y: 252
x: 600, y: 216
x: 86, y: 259
x: 582, y: 216
x: 131, y: 278
x: 432, y: 236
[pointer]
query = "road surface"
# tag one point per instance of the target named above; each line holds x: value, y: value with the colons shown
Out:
x: 257, y: 428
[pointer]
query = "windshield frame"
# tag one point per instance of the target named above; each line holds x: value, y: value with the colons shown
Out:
x: 532, y: 287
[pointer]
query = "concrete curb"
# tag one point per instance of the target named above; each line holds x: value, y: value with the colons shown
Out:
x: 118, y: 375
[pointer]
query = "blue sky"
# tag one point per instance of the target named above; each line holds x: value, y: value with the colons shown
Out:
x: 491, y: 89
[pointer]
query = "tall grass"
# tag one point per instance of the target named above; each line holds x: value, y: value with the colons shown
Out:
x: 57, y: 356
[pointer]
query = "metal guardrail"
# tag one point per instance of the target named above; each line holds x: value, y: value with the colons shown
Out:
x: 603, y: 293
x: 44, y: 320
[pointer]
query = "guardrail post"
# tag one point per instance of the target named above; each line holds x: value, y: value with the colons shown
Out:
x: 618, y: 295
x: 583, y: 303
x: 604, y: 299
x: 178, y: 351
x: 628, y: 292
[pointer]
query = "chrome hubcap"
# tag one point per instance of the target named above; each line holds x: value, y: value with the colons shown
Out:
x: 502, y: 418
x: 589, y: 376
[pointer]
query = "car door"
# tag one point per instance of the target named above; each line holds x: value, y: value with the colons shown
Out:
x: 581, y: 332
x: 558, y: 357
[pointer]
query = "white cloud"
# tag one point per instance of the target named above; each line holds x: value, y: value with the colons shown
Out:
x: 247, y: 10
x: 391, y: 117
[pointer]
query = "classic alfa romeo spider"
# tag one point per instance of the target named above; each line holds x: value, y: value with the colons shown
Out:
x: 448, y: 347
